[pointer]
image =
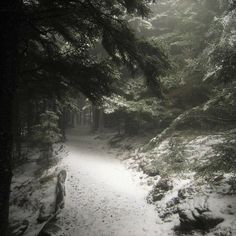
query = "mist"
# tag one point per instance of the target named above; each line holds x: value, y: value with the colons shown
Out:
x: 118, y: 118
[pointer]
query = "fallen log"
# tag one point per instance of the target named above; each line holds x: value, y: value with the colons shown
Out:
x: 50, y: 227
x: 60, y: 190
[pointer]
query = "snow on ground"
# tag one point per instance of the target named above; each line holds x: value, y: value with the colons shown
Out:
x: 32, y: 186
x: 103, y: 197
x: 107, y: 197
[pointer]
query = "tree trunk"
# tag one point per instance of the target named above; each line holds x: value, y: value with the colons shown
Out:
x: 91, y: 117
x: 95, y: 118
x: 8, y: 75
x: 30, y: 115
x: 131, y: 126
x: 101, y: 125
x: 62, y: 123
x: 17, y: 128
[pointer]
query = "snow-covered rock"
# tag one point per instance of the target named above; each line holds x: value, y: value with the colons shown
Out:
x: 159, y: 190
x: 196, y: 214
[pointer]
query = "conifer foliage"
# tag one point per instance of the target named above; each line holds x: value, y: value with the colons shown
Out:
x: 46, y: 50
x: 46, y: 133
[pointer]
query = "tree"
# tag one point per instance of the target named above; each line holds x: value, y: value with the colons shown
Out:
x: 8, y: 68
x: 46, y: 49
x: 201, y: 48
x: 46, y: 133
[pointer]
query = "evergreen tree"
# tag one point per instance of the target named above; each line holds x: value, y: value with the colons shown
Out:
x: 46, y: 133
x: 46, y: 49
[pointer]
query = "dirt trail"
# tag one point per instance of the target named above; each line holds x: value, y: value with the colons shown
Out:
x: 103, y: 197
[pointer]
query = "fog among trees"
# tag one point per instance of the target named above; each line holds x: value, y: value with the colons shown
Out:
x: 118, y: 117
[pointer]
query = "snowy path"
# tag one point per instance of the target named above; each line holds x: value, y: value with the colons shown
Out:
x: 103, y: 198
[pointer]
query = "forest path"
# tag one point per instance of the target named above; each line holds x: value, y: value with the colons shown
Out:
x: 103, y: 198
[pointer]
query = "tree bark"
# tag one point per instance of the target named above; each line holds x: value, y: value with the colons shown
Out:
x: 101, y: 124
x: 95, y: 118
x: 30, y: 115
x: 131, y: 126
x: 17, y: 128
x: 8, y: 67
x: 62, y: 123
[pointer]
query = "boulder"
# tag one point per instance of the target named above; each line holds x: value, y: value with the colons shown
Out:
x: 173, y: 202
x: 169, y: 210
x: 157, y: 196
x: 185, y: 193
x: 195, y: 214
x: 159, y: 190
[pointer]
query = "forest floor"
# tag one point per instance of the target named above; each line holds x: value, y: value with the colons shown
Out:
x: 103, y: 197
x: 107, y: 193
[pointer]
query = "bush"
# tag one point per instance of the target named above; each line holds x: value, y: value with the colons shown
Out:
x: 224, y: 160
x: 46, y: 133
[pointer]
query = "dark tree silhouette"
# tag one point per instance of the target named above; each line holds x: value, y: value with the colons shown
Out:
x: 46, y: 48
x: 8, y: 28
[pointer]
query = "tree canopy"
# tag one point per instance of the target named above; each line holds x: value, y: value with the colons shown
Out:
x: 47, y: 52
x: 57, y: 37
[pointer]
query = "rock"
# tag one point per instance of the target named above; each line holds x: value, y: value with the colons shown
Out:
x: 159, y: 190
x: 195, y: 214
x: 185, y: 193
x: 157, y: 197
x: 171, y: 208
x: 173, y: 202
x: 165, y: 215
x: 164, y: 185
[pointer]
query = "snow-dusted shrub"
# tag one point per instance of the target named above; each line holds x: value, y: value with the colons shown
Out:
x: 46, y: 133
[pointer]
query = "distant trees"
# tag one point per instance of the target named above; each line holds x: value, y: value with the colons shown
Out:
x: 46, y: 51
x: 198, y: 38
